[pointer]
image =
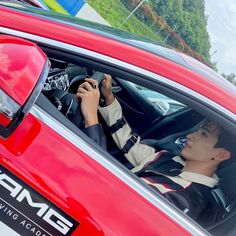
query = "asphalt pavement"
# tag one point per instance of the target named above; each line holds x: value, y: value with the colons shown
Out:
x: 88, y: 13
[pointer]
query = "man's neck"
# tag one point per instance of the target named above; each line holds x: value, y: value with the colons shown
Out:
x: 203, y: 168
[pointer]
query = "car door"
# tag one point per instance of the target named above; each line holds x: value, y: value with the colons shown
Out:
x: 53, y: 182
x: 137, y: 72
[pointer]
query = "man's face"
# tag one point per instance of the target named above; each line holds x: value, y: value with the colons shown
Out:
x: 200, y: 146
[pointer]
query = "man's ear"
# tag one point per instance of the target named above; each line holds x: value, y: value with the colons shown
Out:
x: 222, y: 154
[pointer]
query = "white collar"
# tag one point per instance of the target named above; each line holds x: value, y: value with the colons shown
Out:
x: 179, y: 159
x: 199, y: 178
x: 195, y: 177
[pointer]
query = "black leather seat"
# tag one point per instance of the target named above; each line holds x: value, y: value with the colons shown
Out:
x: 220, y: 217
x: 226, y: 226
x: 172, y: 143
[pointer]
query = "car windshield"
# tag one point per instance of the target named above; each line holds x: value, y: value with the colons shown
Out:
x: 163, y: 103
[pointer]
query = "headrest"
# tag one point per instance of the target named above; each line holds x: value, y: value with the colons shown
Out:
x: 227, y: 180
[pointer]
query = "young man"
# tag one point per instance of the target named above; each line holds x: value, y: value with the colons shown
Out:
x: 184, y: 180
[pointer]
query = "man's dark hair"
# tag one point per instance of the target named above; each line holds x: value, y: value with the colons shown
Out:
x: 226, y: 140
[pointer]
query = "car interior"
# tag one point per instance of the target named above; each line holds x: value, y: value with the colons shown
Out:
x: 161, y: 122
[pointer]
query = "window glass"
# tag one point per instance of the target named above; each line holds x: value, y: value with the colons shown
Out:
x: 161, y: 102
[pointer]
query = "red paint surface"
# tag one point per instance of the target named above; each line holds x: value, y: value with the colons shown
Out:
x: 21, y: 64
x: 102, y: 203
x: 217, y: 92
x: 4, y: 121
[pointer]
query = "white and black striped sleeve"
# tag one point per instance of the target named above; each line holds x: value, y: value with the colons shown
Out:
x: 128, y: 143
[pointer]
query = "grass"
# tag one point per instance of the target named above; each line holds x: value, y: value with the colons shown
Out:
x: 115, y: 13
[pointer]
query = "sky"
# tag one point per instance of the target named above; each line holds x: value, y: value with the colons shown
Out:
x: 222, y: 31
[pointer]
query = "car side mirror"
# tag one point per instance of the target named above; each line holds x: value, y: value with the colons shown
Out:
x: 23, y: 70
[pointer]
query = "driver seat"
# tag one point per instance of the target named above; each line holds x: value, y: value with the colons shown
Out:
x: 220, y: 216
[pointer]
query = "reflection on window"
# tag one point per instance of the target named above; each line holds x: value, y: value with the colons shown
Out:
x: 161, y: 102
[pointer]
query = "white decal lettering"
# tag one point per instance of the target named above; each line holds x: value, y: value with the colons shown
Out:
x: 28, y: 226
x: 15, y: 216
x: 61, y: 224
x: 1, y: 206
x: 22, y: 222
x: 38, y: 233
x: 33, y: 229
x: 9, y: 212
x: 10, y: 184
x: 25, y: 194
x: 48, y: 214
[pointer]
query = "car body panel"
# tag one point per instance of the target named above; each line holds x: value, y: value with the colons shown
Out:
x: 107, y: 46
x: 78, y: 185
x: 14, y: 72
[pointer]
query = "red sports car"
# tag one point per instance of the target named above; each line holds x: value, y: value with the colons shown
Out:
x: 54, y: 179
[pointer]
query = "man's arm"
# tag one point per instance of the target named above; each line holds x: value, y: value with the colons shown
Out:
x: 89, y: 95
x: 95, y: 132
x: 137, y: 154
x: 89, y: 98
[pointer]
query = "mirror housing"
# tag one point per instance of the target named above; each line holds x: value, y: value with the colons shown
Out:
x: 23, y: 70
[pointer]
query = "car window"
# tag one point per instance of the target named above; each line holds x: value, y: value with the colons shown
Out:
x: 163, y: 103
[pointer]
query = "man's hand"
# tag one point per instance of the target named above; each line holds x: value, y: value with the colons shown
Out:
x: 89, y: 95
x: 107, y: 89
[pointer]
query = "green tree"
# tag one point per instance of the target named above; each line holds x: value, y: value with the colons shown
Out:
x: 230, y: 77
x: 187, y: 18
x: 179, y: 23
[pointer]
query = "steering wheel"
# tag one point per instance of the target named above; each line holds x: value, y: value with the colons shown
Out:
x: 66, y: 102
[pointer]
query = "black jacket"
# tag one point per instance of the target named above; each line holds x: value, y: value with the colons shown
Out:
x: 95, y: 132
x: 161, y: 170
